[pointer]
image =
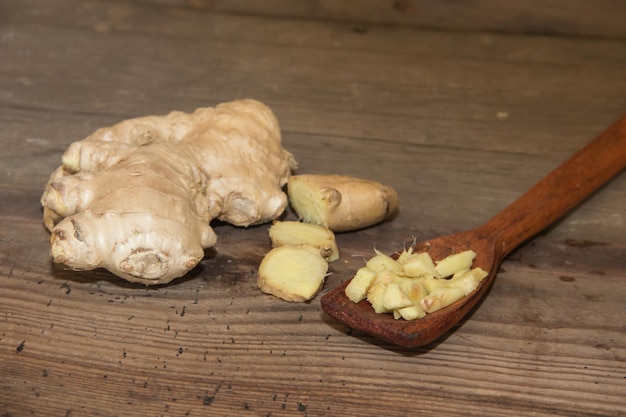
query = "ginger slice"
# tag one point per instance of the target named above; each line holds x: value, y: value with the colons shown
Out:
x: 298, y: 233
x: 339, y: 202
x: 292, y: 273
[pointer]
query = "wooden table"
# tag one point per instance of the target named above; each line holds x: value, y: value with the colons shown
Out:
x: 462, y: 106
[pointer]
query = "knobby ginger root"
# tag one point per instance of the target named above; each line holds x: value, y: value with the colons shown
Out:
x: 292, y: 273
x: 339, y: 202
x: 137, y: 198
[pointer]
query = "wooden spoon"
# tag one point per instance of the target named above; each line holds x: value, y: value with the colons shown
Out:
x: 543, y: 204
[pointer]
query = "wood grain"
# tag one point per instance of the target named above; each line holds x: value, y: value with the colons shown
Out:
x: 564, y: 17
x: 460, y: 122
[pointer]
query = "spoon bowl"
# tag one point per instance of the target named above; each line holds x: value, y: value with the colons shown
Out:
x: 539, y: 207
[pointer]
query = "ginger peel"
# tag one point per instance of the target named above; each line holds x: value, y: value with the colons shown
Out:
x: 137, y: 198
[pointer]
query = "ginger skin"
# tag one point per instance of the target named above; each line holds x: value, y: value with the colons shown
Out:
x: 341, y: 203
x: 137, y: 198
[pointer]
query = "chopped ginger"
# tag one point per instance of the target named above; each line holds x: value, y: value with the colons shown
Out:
x: 412, y: 285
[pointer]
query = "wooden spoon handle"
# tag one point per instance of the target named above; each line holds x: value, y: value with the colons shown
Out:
x: 561, y: 190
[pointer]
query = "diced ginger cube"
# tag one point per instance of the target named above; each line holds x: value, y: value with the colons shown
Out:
x: 386, y: 276
x: 395, y: 298
x: 356, y: 290
x: 431, y: 284
x: 454, y: 263
x: 381, y: 262
x: 479, y: 273
x: 375, y: 296
x: 440, y: 298
x: 419, y: 265
x: 413, y: 312
x: 469, y: 281
x: 460, y: 273
x: 465, y: 282
x: 414, y: 289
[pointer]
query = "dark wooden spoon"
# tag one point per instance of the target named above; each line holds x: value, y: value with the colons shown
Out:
x: 543, y: 204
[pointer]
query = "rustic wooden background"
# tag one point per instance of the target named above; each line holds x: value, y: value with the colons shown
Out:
x: 462, y: 106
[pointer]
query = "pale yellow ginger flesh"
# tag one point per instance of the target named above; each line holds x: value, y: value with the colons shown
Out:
x: 341, y: 203
x: 412, y: 285
x: 137, y: 198
x: 298, y: 233
x: 292, y: 273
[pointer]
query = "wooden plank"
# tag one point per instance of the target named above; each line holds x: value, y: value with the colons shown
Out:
x: 423, y: 87
x: 565, y: 17
x: 480, y: 86
x: 460, y: 123
x: 205, y: 342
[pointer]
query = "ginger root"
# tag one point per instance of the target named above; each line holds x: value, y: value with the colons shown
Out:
x: 341, y: 203
x: 137, y: 198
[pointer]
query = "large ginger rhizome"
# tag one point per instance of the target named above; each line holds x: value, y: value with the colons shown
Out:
x: 137, y: 198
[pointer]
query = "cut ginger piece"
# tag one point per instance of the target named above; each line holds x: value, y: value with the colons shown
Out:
x: 298, y: 233
x: 410, y: 285
x: 376, y: 297
x: 419, y: 265
x: 455, y: 262
x: 440, y: 298
x: 381, y: 262
x: 339, y: 202
x: 394, y: 298
x: 356, y: 290
x: 292, y: 273
x: 412, y: 312
x: 467, y: 281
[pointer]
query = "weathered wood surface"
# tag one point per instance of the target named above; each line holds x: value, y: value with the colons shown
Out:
x: 603, y: 18
x: 460, y: 122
